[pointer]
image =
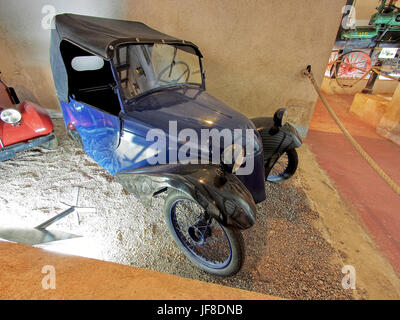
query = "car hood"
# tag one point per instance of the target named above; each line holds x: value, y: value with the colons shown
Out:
x: 190, y: 107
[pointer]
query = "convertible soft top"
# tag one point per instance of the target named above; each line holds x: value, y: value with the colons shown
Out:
x: 100, y: 36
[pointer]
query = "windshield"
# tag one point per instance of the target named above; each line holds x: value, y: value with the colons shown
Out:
x: 146, y: 67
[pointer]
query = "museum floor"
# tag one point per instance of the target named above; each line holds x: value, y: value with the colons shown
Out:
x: 376, y: 204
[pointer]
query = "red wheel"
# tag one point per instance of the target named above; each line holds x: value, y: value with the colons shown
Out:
x: 352, y: 67
x: 332, y: 59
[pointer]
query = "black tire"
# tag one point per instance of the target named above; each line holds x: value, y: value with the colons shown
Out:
x: 283, y: 171
x: 234, y: 238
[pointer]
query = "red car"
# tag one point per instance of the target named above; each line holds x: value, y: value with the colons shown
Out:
x: 23, y: 125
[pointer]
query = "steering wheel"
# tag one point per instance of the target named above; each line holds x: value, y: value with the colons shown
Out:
x: 168, y: 68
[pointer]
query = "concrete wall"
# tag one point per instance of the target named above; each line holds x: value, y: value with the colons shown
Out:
x: 389, y: 125
x: 24, y: 43
x: 370, y: 107
x: 254, y: 49
x: 364, y: 10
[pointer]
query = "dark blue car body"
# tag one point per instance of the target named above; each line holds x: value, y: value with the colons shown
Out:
x: 136, y: 80
x: 118, y: 142
x: 135, y: 100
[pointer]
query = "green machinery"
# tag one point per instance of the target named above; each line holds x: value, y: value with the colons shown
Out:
x: 383, y: 23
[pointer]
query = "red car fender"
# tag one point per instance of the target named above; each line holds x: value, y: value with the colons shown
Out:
x: 35, y: 122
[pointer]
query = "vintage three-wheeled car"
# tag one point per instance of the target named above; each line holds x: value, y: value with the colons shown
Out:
x: 121, y: 84
x: 23, y: 125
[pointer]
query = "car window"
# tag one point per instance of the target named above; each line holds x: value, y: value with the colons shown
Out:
x: 145, y: 67
x: 87, y: 63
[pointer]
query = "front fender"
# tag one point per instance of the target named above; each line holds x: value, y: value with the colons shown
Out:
x: 220, y: 193
x: 296, y: 138
x: 276, y: 140
x: 263, y: 123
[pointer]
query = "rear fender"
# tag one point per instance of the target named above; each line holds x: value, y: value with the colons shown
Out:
x: 220, y: 193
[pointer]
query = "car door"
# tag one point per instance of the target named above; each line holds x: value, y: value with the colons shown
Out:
x: 93, y: 105
x: 98, y: 130
x: 134, y: 150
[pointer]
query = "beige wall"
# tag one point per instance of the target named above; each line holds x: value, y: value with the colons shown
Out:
x: 364, y: 10
x: 24, y: 53
x: 254, y: 50
x: 389, y: 125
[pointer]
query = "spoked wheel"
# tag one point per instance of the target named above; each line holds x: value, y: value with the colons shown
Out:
x: 330, y: 72
x: 352, y: 67
x: 207, y: 244
x: 284, y: 168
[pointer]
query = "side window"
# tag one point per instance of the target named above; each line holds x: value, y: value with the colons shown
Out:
x: 90, y: 79
x: 87, y: 63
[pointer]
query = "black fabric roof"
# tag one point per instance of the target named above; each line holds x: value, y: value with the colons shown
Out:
x: 101, y: 35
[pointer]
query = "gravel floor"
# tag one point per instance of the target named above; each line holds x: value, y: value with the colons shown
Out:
x: 286, y: 255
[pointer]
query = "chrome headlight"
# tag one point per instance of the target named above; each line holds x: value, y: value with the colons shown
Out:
x: 233, y: 154
x: 11, y: 116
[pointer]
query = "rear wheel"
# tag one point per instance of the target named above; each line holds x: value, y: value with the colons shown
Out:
x: 284, y: 168
x: 206, y: 243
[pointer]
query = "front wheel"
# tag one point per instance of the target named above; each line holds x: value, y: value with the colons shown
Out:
x: 207, y: 244
x: 284, y: 168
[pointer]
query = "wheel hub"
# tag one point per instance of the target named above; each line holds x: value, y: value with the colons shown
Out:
x: 199, y: 232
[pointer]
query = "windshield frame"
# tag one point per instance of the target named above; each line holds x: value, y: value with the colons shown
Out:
x: 132, y: 100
